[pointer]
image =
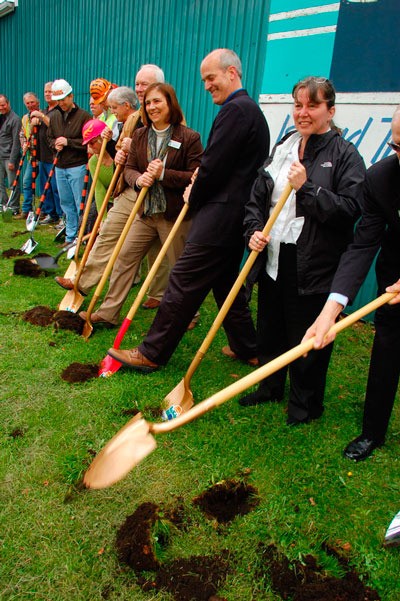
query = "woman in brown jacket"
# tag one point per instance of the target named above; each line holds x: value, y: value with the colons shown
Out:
x: 164, y: 155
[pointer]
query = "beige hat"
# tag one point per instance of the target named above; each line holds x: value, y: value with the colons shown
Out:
x: 60, y: 89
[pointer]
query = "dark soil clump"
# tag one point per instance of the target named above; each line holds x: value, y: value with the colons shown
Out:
x: 227, y: 499
x: 65, y: 320
x: 15, y: 234
x: 39, y: 316
x: 17, y: 433
x: 134, y: 541
x: 80, y: 372
x: 12, y: 252
x: 305, y: 581
x: 28, y: 268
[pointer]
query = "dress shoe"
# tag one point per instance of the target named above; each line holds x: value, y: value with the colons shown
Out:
x: 294, y: 421
x: 67, y: 284
x: 96, y: 319
x: 133, y: 358
x: 151, y: 303
x: 228, y: 352
x: 361, y: 447
x: 260, y: 396
x: 20, y: 215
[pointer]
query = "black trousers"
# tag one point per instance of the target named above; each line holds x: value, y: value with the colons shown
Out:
x: 199, y: 270
x: 282, y: 320
x: 384, y: 372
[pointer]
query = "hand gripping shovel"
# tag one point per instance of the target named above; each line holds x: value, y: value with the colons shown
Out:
x: 73, y: 267
x: 109, y: 365
x: 180, y: 399
x: 74, y: 298
x: 7, y: 212
x: 33, y: 218
x: 88, y: 327
x: 135, y: 440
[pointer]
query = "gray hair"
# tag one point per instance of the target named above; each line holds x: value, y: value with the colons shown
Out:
x: 229, y: 58
x: 158, y: 72
x: 30, y: 94
x: 124, y: 94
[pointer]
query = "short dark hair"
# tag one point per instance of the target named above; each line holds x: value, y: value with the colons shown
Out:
x: 313, y: 85
x: 175, y: 111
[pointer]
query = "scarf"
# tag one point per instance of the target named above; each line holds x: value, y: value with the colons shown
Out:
x: 155, y: 201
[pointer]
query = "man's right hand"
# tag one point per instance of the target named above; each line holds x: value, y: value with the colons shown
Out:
x: 322, y: 325
x: 394, y: 288
x: 120, y: 157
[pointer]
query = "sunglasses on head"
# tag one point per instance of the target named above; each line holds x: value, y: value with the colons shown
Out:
x: 393, y: 146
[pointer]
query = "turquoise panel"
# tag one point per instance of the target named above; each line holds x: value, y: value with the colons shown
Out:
x: 283, y: 67
x: 278, y: 6
x: 308, y: 22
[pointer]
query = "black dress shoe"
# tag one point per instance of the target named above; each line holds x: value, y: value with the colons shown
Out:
x: 262, y: 395
x: 361, y: 447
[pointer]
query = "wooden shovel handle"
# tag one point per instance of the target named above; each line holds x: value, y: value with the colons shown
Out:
x: 266, y: 370
x: 97, y: 223
x: 235, y: 288
x: 115, y: 252
x: 85, y: 216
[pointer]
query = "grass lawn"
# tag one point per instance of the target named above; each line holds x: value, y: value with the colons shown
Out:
x: 59, y: 543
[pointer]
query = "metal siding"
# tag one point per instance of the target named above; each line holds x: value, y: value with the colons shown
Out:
x: 80, y: 40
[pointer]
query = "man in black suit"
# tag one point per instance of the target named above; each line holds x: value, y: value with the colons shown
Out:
x: 237, y: 146
x: 378, y: 230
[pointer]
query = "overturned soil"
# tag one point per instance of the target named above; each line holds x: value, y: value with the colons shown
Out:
x: 227, y: 499
x: 39, y: 316
x: 306, y: 581
x: 12, y: 252
x: 28, y: 268
x: 80, y: 372
x: 65, y: 320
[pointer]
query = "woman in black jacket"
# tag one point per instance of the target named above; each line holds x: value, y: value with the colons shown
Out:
x: 302, y: 253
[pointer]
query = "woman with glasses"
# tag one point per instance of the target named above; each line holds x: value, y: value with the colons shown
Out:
x: 301, y: 255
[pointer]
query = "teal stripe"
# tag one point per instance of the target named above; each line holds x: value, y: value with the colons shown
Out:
x: 323, y: 20
x: 280, y: 6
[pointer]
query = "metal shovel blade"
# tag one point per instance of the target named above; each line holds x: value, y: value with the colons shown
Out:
x: 29, y: 246
x: 30, y: 221
x: 124, y: 451
x: 392, y: 536
x: 60, y: 235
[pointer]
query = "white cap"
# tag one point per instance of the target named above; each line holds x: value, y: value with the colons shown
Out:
x: 60, y: 89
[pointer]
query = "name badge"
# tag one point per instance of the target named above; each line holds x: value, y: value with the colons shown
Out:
x: 174, y: 144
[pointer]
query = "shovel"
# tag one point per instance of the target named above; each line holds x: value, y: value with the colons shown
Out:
x: 73, y: 267
x: 78, y: 297
x: 61, y: 234
x: 50, y: 263
x: 33, y: 217
x: 7, y: 212
x: 392, y: 536
x: 109, y: 365
x: 135, y: 440
x: 180, y: 399
x: 88, y: 327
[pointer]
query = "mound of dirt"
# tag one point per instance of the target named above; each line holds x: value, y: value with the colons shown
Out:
x: 80, y: 372
x: 12, y: 252
x: 65, y: 320
x: 134, y: 541
x: 306, y: 581
x: 28, y: 268
x: 227, y: 499
x: 39, y: 316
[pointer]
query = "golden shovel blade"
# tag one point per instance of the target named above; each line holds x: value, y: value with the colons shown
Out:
x: 71, y: 270
x: 178, y: 400
x: 121, y: 454
x: 71, y: 301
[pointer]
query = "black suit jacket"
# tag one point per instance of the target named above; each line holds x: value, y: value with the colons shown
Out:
x: 378, y: 230
x: 237, y: 145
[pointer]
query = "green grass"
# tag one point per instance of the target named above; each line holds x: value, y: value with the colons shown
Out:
x: 59, y: 544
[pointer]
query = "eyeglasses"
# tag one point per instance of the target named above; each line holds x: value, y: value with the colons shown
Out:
x: 393, y: 146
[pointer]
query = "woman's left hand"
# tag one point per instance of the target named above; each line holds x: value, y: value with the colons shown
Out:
x: 297, y: 175
x: 155, y: 168
x: 258, y: 241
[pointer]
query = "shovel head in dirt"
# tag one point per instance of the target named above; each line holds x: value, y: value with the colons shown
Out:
x: 31, y: 221
x: 50, y: 263
x: 29, y: 246
x: 392, y: 536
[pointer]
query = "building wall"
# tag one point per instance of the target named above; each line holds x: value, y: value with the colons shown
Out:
x: 80, y: 40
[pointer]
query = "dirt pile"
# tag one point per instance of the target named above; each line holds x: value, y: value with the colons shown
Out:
x: 80, y: 372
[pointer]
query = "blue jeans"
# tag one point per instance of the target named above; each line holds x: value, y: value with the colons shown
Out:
x: 51, y: 205
x: 70, y: 184
x: 5, y: 173
x: 27, y: 204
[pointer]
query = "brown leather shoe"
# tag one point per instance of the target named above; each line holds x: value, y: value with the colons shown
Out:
x: 151, y: 303
x: 192, y: 325
x: 96, y: 319
x: 65, y: 283
x: 133, y: 358
x: 21, y: 216
x: 228, y: 352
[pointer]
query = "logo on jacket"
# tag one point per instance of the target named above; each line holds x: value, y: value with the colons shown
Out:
x: 326, y: 164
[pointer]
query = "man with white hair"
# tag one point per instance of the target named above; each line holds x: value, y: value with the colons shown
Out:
x: 65, y: 135
x: 378, y: 231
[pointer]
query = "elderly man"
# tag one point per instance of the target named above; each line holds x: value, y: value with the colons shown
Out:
x: 65, y: 135
x: 377, y: 231
x: 237, y: 145
x: 123, y: 103
x: 31, y: 101
x: 10, y: 148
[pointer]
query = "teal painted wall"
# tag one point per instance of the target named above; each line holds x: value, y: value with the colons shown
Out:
x: 80, y: 40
